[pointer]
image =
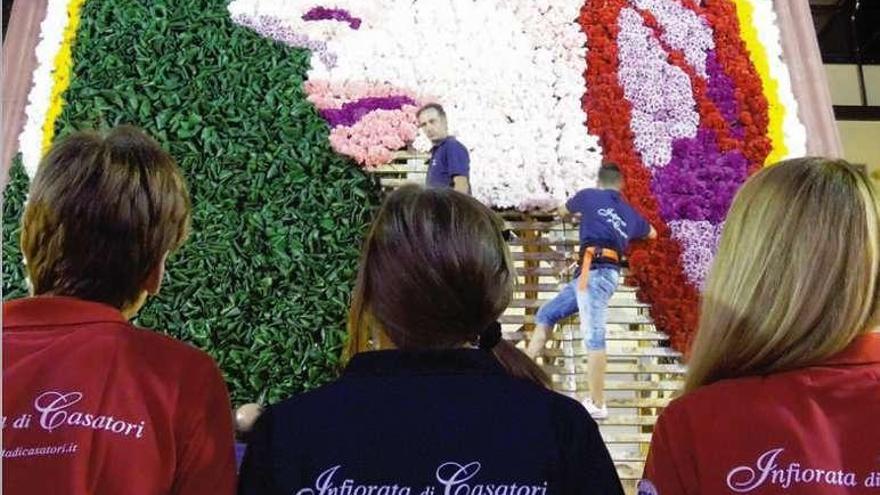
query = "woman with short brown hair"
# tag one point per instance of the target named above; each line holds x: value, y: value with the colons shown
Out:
x: 108, y: 408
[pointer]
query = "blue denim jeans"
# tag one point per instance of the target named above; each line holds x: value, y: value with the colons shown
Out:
x: 592, y: 305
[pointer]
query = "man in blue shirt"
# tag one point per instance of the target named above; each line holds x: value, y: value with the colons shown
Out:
x: 607, y: 225
x: 450, y: 163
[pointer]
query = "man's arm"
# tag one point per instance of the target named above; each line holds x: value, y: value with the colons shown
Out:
x: 460, y: 183
x: 652, y: 234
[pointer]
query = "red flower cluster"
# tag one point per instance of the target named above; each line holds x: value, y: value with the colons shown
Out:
x: 734, y: 57
x: 656, y: 266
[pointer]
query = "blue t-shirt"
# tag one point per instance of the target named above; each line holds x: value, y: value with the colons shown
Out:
x: 607, y: 220
x: 449, y: 158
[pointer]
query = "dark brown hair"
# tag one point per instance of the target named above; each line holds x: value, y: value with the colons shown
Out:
x: 101, y: 213
x: 610, y: 175
x: 432, y: 106
x: 435, y: 272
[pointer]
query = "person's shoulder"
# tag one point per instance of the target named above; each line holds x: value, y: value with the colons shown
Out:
x: 452, y: 142
x: 163, y: 348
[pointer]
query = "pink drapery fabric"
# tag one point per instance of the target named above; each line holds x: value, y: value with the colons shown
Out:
x: 19, y: 62
x: 801, y: 52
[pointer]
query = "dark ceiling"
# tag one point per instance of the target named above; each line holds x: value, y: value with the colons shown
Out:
x: 848, y: 30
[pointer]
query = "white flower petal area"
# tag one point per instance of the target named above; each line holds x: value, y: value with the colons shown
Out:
x: 509, y: 73
x: 30, y: 140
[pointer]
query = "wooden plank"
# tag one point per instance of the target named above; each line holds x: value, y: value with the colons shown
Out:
x: 613, y: 317
x: 626, y: 438
x: 613, y: 303
x: 573, y: 351
x: 637, y: 386
x: 543, y: 255
x: 616, y: 368
x: 570, y: 243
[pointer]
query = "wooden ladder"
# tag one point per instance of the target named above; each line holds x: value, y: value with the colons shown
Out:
x: 643, y: 372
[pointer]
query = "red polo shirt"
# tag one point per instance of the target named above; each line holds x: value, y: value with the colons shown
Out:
x: 94, y: 405
x: 813, y: 431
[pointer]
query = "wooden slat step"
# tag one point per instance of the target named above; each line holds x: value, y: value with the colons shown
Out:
x: 618, y: 302
x: 581, y: 386
x: 626, y: 335
x: 540, y: 256
x: 638, y: 403
x: 668, y: 385
x: 626, y: 438
x: 640, y: 352
x: 618, y: 420
x: 617, y: 368
x: 542, y: 271
x: 544, y: 241
x: 621, y: 289
x: 401, y: 168
x: 613, y: 318
x: 616, y: 335
x: 626, y: 456
x: 541, y: 225
x: 395, y: 183
x: 629, y: 471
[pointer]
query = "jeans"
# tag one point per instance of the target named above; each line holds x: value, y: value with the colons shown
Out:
x: 592, y: 305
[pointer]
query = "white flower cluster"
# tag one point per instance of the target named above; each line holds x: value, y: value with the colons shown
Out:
x: 509, y: 73
x: 682, y: 29
x: 39, y: 98
x: 663, y: 106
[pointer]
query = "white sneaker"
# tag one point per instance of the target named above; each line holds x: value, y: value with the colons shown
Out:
x: 595, y: 411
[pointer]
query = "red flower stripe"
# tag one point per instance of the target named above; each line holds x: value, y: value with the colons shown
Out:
x: 734, y: 57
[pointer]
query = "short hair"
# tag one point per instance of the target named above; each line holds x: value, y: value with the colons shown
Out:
x: 432, y: 106
x: 610, y: 175
x: 101, y: 213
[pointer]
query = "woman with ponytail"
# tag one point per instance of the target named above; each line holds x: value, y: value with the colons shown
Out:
x: 432, y: 399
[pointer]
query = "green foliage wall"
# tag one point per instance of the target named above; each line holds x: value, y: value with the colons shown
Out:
x: 264, y: 281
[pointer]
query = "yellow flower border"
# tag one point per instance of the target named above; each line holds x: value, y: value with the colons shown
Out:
x: 775, y: 108
x: 61, y: 72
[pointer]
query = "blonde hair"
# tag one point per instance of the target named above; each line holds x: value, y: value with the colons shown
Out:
x: 795, y: 277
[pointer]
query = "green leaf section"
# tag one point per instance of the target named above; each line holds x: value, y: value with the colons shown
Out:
x: 264, y: 280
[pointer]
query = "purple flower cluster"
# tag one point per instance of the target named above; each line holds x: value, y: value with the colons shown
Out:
x: 331, y: 14
x: 722, y: 92
x: 273, y: 28
x: 699, y: 182
x: 351, y: 112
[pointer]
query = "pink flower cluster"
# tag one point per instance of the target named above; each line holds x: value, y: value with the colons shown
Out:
x: 374, y: 138
x: 326, y: 94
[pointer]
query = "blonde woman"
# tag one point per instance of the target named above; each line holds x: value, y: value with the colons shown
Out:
x: 783, y: 389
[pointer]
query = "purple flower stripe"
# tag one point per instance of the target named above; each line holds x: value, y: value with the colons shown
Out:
x: 272, y: 28
x: 722, y: 92
x: 339, y: 15
x: 353, y: 111
x: 699, y: 182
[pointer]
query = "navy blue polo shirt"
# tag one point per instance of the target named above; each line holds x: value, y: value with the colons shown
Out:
x: 428, y: 422
x: 449, y: 158
x: 607, y: 220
